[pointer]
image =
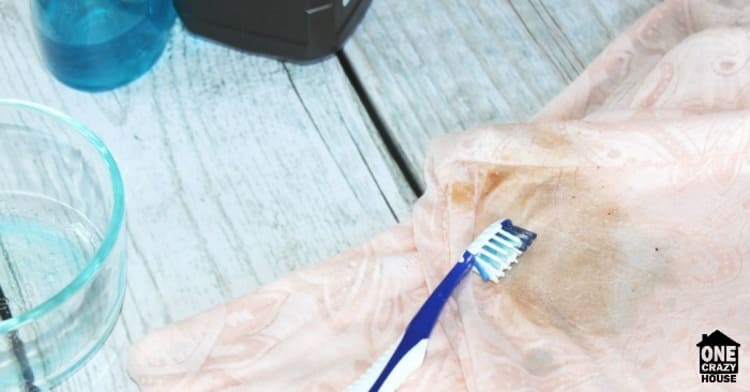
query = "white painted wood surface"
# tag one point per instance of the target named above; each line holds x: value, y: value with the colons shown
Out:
x: 237, y: 169
x: 438, y: 66
x: 240, y: 168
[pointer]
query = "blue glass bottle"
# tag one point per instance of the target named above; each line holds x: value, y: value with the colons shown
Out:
x: 97, y: 45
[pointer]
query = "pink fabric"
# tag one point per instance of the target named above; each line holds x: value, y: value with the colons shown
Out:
x: 637, y: 179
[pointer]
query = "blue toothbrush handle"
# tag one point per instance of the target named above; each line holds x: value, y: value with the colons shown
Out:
x: 424, y: 321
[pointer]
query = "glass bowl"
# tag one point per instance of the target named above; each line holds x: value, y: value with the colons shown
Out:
x: 62, y: 245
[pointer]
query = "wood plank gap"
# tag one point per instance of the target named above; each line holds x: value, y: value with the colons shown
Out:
x: 396, y: 153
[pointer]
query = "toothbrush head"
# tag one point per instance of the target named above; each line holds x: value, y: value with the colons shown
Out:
x: 497, y: 248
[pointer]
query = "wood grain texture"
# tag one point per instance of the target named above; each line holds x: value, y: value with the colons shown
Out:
x: 237, y: 169
x: 438, y: 66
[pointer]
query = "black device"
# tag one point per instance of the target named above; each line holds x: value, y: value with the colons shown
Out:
x: 298, y: 30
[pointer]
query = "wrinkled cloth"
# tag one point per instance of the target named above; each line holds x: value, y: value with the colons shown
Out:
x: 637, y: 180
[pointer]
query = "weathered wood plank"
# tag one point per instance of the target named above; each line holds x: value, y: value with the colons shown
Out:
x: 433, y: 67
x: 237, y: 169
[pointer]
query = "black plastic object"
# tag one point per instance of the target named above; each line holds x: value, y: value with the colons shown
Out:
x: 298, y: 30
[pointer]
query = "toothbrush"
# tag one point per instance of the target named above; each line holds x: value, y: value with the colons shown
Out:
x: 491, y: 254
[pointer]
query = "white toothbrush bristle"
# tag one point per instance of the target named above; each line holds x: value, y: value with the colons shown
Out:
x: 497, y: 249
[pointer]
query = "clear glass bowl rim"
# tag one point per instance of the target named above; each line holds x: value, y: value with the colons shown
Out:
x: 110, y: 236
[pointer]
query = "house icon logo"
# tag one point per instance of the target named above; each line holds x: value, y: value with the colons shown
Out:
x: 718, y: 358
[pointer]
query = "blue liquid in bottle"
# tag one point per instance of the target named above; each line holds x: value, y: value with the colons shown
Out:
x: 97, y: 45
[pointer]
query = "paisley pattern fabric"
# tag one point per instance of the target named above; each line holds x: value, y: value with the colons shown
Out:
x: 637, y: 180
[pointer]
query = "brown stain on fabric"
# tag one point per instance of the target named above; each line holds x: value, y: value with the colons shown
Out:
x: 578, y: 276
x: 492, y: 179
x: 462, y: 194
x: 547, y: 138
